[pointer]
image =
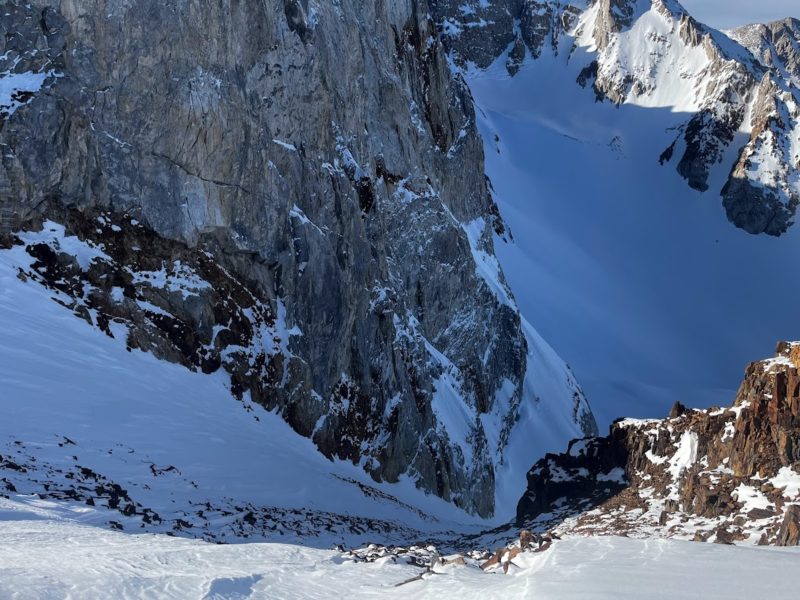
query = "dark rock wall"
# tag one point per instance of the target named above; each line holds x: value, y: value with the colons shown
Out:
x: 317, y: 164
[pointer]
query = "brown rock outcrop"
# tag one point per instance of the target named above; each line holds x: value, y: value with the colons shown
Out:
x: 722, y: 475
x: 789, y: 533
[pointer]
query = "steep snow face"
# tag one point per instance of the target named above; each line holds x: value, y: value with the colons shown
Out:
x: 649, y: 59
x: 629, y: 54
x: 652, y: 53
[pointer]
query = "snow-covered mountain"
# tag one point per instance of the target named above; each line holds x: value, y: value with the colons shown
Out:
x: 741, y: 111
x: 276, y: 271
x: 232, y: 188
x: 637, y: 279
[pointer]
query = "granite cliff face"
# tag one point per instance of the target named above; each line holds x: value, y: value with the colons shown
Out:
x: 722, y: 475
x: 739, y: 93
x: 775, y: 45
x: 292, y: 191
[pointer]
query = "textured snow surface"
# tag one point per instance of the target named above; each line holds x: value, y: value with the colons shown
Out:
x: 45, y: 555
x: 636, y: 280
x: 172, y: 438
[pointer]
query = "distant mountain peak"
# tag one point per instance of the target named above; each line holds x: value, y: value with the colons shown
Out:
x: 740, y: 91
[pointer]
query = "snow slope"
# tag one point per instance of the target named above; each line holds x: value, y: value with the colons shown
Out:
x: 45, y: 555
x: 640, y: 283
x: 81, y: 413
x: 186, y: 428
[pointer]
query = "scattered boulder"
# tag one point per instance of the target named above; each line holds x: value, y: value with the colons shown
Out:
x: 789, y: 533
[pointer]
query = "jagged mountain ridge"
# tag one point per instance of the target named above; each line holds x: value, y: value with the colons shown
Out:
x: 720, y: 475
x: 249, y: 194
x: 775, y: 45
x: 742, y: 110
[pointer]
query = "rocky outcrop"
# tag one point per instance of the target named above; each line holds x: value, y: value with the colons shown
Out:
x: 479, y: 32
x: 291, y: 191
x: 762, y: 193
x: 789, y: 533
x: 725, y: 88
x: 775, y: 45
x: 430, y: 558
x: 723, y: 475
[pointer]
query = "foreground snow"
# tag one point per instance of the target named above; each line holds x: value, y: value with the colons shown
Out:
x: 44, y: 555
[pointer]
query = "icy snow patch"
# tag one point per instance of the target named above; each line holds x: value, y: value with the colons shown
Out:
x: 285, y: 145
x: 685, y: 456
x: 14, y: 87
x: 54, y: 235
x: 173, y: 278
x: 751, y: 498
x: 578, y: 448
x: 616, y: 475
x: 789, y: 479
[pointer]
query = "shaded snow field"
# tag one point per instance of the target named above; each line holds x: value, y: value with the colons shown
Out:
x: 639, y: 282
x: 44, y: 555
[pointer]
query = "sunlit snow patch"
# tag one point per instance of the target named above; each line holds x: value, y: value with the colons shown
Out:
x: 17, y: 89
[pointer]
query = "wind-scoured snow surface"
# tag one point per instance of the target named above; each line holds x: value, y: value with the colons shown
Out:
x: 82, y: 415
x: 45, y: 555
x: 639, y: 282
